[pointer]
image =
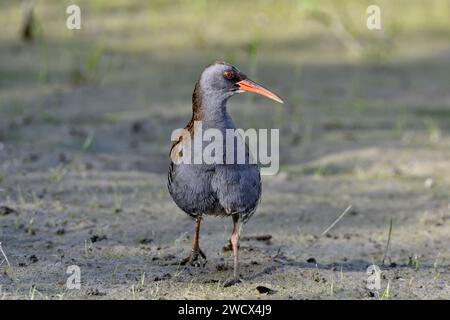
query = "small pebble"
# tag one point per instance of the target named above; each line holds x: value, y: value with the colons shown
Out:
x: 429, y: 183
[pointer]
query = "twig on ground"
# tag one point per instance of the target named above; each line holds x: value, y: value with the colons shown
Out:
x: 336, y: 221
x: 278, y: 255
x: 4, y: 255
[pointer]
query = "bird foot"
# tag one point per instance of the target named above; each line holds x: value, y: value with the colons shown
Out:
x: 232, y: 282
x: 194, y: 259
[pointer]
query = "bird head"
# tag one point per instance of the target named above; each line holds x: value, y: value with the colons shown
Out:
x: 223, y: 80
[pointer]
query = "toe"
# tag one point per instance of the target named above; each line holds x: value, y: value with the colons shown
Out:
x: 202, y: 254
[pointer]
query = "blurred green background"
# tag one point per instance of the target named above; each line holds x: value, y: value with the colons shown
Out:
x: 138, y: 61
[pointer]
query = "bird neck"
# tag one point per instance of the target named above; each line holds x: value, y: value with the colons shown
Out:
x: 215, y: 114
x: 211, y: 109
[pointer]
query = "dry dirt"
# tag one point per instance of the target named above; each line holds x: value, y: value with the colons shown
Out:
x: 83, y: 159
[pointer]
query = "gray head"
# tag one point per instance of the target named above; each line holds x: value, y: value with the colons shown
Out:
x: 220, y: 81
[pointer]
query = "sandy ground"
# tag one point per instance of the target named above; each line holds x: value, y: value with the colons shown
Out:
x: 83, y: 159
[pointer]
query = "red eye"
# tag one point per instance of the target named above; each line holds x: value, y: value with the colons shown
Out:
x: 228, y: 74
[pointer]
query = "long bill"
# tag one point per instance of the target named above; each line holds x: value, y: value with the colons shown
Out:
x: 251, y: 86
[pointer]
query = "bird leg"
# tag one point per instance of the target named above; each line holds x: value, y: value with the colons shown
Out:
x: 196, y: 253
x: 235, y: 244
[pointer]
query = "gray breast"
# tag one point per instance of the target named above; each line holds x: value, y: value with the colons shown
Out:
x: 215, y: 190
x: 190, y: 187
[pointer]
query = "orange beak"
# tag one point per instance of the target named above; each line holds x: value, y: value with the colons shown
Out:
x: 250, y: 86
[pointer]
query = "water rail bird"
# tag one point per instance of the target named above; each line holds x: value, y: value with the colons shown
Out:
x: 221, y: 188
